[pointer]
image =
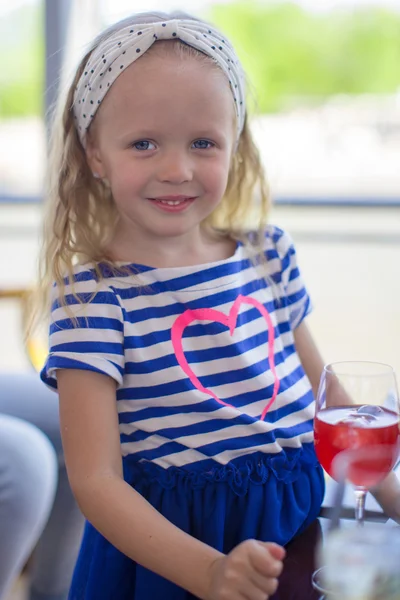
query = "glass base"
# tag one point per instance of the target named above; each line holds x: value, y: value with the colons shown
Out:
x: 318, y: 584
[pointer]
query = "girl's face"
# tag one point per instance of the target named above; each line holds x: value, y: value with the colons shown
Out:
x: 163, y: 138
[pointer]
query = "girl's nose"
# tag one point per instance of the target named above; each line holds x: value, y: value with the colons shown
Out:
x: 175, y: 168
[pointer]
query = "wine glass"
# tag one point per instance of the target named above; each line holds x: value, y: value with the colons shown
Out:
x: 357, y: 416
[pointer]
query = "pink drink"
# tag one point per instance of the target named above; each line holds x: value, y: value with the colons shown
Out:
x: 375, y: 429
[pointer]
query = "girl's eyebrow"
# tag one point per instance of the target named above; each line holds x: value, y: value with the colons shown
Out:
x: 137, y: 134
x: 156, y: 133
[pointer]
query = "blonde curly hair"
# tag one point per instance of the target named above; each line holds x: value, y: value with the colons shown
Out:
x: 81, y: 216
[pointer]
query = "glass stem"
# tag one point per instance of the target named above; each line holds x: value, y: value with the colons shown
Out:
x: 360, y: 495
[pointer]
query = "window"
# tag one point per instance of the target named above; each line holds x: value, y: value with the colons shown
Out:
x: 22, y: 133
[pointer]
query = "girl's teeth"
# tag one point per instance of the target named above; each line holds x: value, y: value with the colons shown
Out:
x: 171, y: 202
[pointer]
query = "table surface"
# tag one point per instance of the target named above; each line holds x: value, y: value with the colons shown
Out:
x: 295, y: 581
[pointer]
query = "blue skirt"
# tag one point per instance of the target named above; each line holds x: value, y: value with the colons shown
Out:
x: 265, y: 497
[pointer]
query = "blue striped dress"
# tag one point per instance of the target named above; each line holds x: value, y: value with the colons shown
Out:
x: 215, y: 410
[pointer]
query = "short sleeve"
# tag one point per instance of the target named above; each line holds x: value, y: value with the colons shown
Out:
x: 297, y: 298
x: 86, y: 333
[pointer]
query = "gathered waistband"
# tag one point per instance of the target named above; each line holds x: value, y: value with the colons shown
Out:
x: 285, y: 466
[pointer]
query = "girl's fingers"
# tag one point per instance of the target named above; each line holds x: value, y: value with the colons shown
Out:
x: 250, y: 572
x: 252, y: 586
x: 263, y: 561
x: 278, y: 552
x: 267, y: 585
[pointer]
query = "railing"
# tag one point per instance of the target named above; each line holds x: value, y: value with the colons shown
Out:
x: 329, y: 201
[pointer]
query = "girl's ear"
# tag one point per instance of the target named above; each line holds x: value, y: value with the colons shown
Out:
x: 94, y: 158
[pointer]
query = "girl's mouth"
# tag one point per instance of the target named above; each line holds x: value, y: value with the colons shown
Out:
x: 173, y: 203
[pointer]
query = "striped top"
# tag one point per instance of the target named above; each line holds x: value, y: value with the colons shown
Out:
x: 203, y: 356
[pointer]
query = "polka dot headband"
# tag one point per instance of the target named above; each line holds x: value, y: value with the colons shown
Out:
x: 126, y: 45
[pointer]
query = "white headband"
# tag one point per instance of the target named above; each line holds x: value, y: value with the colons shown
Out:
x: 125, y: 46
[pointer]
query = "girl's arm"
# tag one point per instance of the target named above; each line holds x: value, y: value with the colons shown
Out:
x: 89, y: 426
x: 309, y: 355
x: 387, y: 493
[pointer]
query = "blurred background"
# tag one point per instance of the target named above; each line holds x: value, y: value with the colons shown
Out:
x: 324, y: 81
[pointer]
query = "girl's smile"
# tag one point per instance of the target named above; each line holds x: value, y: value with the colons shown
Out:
x: 173, y: 204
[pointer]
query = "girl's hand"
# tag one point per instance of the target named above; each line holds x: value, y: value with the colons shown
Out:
x: 249, y: 572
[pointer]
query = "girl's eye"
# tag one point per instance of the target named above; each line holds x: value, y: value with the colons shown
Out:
x: 143, y: 145
x: 203, y: 144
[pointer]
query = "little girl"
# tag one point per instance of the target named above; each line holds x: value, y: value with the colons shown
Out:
x: 178, y: 344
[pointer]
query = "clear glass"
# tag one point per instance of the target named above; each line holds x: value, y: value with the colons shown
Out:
x: 359, y: 564
x: 357, y: 418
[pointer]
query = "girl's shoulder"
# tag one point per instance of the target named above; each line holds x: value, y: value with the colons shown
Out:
x: 85, y: 284
x: 275, y: 243
x: 277, y: 238
x: 278, y: 254
x: 95, y: 275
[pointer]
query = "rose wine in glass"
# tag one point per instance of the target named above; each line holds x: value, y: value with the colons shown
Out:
x: 357, y: 415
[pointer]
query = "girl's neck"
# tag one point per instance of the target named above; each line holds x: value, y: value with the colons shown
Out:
x: 200, y: 246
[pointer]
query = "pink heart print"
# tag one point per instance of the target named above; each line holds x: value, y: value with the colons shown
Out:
x: 230, y: 320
